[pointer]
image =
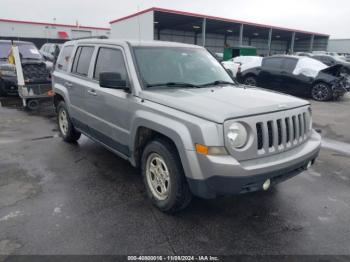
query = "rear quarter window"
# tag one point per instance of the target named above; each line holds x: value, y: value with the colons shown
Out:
x: 82, y: 60
x: 289, y: 64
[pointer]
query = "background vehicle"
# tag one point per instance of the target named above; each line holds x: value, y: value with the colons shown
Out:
x: 334, y: 60
x: 232, y: 67
x: 174, y: 111
x: 241, y: 63
x: 34, y: 68
x: 50, y: 51
x: 300, y: 76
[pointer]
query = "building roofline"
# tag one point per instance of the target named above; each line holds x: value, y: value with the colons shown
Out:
x: 51, y: 24
x: 213, y: 18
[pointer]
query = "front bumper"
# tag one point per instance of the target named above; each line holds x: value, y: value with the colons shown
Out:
x: 223, y: 175
x: 9, y: 85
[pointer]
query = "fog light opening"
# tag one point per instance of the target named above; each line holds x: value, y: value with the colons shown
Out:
x: 267, y: 184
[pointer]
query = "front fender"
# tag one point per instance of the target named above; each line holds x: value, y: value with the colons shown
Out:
x: 176, y: 131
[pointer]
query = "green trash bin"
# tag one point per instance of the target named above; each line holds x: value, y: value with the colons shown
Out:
x: 231, y: 52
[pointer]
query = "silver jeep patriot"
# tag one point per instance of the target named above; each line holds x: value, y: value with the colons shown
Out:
x: 172, y: 110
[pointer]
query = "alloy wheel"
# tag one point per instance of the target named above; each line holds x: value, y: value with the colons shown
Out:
x: 320, y: 92
x: 157, y: 174
x: 63, y: 122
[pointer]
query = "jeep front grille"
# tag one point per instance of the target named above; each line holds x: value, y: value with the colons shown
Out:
x: 272, y: 133
x: 279, y: 134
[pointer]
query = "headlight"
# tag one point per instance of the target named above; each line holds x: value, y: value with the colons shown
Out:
x: 237, y: 135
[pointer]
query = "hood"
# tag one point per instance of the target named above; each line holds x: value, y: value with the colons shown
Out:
x: 332, y: 70
x: 337, y: 70
x: 218, y: 104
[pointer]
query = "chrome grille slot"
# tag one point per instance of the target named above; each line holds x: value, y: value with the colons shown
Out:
x: 287, y: 129
x: 270, y: 132
x: 259, y: 135
x: 295, y: 129
x: 279, y: 128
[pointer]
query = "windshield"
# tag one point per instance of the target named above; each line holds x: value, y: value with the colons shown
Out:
x: 27, y: 51
x: 193, y: 66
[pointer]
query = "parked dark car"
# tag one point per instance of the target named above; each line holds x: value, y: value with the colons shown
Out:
x: 300, y: 76
x: 35, y: 70
x: 333, y: 60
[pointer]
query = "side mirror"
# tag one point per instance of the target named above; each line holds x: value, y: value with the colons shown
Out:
x: 112, y: 80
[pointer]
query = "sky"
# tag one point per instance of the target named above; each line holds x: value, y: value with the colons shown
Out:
x: 321, y: 16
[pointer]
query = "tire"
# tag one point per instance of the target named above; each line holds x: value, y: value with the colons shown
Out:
x: 171, y: 192
x: 65, y: 126
x: 321, y: 92
x: 250, y: 81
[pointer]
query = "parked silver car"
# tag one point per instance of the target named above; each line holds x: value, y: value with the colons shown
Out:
x: 174, y: 111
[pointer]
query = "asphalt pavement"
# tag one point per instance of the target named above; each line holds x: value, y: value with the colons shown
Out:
x: 57, y: 198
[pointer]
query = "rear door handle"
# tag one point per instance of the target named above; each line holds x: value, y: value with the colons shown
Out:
x: 68, y: 84
x: 92, y: 92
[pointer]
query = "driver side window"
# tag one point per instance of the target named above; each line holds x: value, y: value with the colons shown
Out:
x: 110, y: 60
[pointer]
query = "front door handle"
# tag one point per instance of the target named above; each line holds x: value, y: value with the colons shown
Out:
x: 92, y: 92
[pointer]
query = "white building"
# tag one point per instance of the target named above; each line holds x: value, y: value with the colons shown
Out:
x: 339, y: 46
x: 214, y: 32
x: 41, y: 33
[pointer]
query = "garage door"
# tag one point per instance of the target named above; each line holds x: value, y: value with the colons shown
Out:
x: 80, y: 33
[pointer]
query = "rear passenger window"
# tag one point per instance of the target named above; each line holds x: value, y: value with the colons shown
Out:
x: 272, y: 63
x: 110, y: 61
x: 64, y: 58
x: 82, y: 60
x: 289, y: 64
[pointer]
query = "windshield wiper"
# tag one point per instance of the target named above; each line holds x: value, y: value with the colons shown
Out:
x: 219, y: 82
x: 174, y: 84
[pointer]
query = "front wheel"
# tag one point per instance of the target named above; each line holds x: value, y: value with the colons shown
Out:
x: 321, y: 92
x: 164, y: 177
x: 250, y: 81
x: 67, y: 130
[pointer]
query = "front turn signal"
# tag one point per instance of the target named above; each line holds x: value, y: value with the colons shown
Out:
x: 210, y: 150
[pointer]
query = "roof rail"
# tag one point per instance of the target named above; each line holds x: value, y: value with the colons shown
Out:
x: 91, y: 37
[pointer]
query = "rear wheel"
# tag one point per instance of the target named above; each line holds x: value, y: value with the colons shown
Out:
x: 321, y: 92
x: 250, y: 81
x: 67, y: 130
x: 163, y: 176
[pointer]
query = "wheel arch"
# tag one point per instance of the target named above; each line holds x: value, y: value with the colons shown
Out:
x: 57, y: 99
x: 150, y: 126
